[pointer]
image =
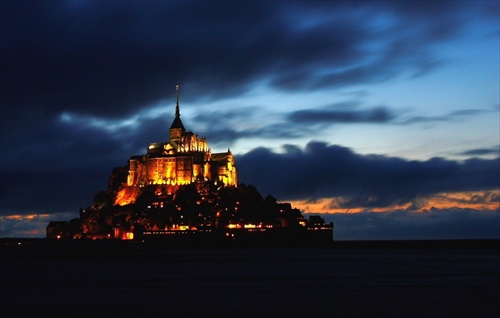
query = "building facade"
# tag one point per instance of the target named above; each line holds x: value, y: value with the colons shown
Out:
x: 183, y: 159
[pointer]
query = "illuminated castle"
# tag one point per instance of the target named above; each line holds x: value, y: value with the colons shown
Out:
x: 183, y: 159
x: 179, y: 192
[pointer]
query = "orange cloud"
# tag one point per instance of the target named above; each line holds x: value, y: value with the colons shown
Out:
x: 23, y: 217
x: 476, y: 200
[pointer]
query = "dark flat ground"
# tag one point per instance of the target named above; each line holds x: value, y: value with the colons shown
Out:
x: 349, y: 279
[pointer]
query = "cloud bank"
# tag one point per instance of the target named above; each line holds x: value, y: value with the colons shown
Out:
x: 127, y: 54
x: 321, y: 171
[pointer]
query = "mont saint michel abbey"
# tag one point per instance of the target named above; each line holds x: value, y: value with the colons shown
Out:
x: 180, y: 192
x: 183, y: 159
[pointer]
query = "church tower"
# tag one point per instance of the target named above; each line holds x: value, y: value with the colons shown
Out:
x: 177, y: 128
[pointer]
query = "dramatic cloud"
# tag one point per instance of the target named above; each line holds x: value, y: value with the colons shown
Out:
x: 110, y: 59
x: 322, y: 171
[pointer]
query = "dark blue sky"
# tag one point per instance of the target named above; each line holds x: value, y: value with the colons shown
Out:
x: 383, y: 114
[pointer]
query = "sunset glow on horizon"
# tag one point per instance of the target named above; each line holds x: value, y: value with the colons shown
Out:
x: 476, y: 200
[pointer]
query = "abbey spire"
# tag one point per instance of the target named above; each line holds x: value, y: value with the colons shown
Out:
x: 177, y: 128
x: 177, y: 112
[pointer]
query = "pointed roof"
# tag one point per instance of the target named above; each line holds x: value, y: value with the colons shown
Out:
x: 177, y: 123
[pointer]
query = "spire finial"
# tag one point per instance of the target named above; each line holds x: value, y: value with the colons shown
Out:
x: 177, y: 112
